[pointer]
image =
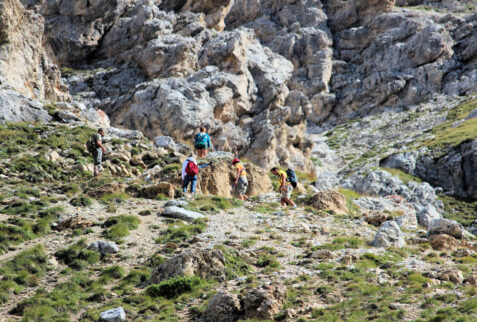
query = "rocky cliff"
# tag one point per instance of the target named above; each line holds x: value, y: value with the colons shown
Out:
x: 254, y: 72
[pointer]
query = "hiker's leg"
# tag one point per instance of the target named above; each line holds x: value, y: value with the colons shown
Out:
x: 283, y: 202
x: 194, y: 182
x: 289, y: 202
x: 185, y: 184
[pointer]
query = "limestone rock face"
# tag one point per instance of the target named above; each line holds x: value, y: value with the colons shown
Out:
x: 19, y: 108
x: 24, y: 64
x: 205, y: 263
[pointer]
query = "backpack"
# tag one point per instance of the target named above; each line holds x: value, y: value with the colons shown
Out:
x: 201, y: 141
x: 192, y: 169
x: 291, y: 177
x: 91, y: 145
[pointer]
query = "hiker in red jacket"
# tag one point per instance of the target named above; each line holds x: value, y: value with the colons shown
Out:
x: 190, y: 170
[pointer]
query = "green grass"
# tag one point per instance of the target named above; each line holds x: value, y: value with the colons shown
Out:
x: 172, y: 168
x: 461, y: 210
x: 77, y: 256
x: 174, y: 287
x: 23, y: 270
x: 179, y: 232
x: 269, y: 263
x: 18, y: 230
x: 403, y: 176
x: 447, y: 135
x: 213, y: 204
x: 341, y: 243
x: 119, y: 226
x: 81, y: 201
x: 235, y: 266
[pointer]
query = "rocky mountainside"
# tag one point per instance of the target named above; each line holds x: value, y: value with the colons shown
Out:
x: 373, y: 103
x: 255, y: 73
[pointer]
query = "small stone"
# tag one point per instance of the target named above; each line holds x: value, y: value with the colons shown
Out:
x: 170, y: 245
x: 113, y: 315
x: 472, y: 280
x: 325, y: 230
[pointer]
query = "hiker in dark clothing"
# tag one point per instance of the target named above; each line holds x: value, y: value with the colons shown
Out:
x: 98, y: 150
x: 202, y: 143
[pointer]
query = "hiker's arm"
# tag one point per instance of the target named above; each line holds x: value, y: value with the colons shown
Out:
x: 101, y: 146
x: 238, y: 175
x: 209, y: 143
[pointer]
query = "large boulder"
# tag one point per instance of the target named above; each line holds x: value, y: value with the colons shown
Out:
x: 388, y: 235
x: 205, y: 263
x: 218, y: 178
x: 265, y: 301
x: 223, y: 307
x: 445, y: 226
x: 181, y: 213
x: 19, y: 108
x: 114, y: 315
x: 329, y: 200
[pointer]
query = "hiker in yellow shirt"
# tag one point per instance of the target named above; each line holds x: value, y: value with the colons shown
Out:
x: 285, y: 188
x: 241, y: 182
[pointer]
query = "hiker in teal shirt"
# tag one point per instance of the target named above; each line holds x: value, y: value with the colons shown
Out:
x: 202, y: 143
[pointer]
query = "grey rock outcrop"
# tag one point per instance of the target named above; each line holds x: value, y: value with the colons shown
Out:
x: 114, y: 315
x: 104, y: 247
x: 19, y: 108
x: 223, y: 307
x: 181, y: 213
x: 388, y: 235
x: 445, y: 226
x: 420, y: 196
x: 205, y: 263
x: 265, y: 301
x: 454, y: 172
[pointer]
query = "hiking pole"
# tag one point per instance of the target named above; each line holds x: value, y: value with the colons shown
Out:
x: 204, y: 165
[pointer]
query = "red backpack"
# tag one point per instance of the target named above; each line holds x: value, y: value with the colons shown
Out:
x: 191, y: 169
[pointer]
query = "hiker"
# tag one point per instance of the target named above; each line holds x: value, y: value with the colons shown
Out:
x: 285, y: 187
x: 95, y: 147
x: 241, y: 182
x: 190, y: 170
x: 202, y: 143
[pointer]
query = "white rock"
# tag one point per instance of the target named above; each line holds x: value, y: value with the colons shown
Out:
x: 113, y: 315
x: 180, y: 213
